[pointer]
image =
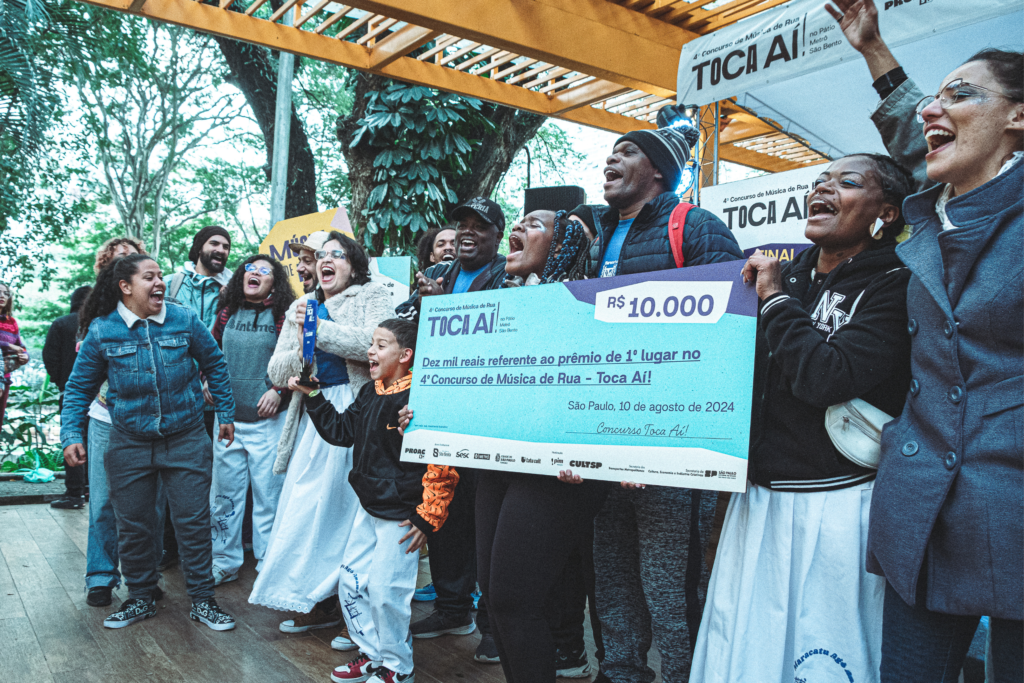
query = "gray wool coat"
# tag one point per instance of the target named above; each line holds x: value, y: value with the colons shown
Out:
x: 948, y: 503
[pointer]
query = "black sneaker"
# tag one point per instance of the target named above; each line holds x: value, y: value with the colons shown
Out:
x: 69, y: 503
x: 210, y: 614
x: 99, y: 596
x: 132, y: 610
x: 436, y: 625
x: 487, y: 651
x: 167, y: 560
x: 571, y: 663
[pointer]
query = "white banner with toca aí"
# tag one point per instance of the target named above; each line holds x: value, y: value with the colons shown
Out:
x: 801, y: 36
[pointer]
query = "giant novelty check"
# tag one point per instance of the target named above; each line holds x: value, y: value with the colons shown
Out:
x: 644, y: 378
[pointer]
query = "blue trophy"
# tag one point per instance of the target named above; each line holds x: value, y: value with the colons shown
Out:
x: 309, y: 343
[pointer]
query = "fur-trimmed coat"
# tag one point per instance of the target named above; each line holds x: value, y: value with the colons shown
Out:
x: 355, y: 314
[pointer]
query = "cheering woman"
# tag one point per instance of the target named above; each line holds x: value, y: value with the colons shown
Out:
x: 148, y: 350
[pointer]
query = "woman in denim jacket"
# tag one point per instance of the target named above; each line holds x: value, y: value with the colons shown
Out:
x: 148, y: 350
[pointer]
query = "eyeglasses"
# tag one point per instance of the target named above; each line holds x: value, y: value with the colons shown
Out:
x: 262, y: 270
x: 954, y: 92
x: 336, y: 254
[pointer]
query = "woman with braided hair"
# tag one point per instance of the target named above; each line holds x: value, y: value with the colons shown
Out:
x: 546, y: 246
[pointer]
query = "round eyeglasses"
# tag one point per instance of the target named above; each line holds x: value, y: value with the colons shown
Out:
x: 262, y: 270
x: 336, y: 254
x: 952, y: 93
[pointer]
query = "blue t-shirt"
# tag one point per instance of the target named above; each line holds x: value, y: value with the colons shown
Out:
x: 610, y: 265
x: 330, y: 369
x: 465, y: 279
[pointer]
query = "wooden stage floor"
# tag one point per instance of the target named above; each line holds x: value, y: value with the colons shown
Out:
x: 48, y: 633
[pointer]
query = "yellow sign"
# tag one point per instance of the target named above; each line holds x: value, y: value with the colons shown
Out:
x: 295, y: 230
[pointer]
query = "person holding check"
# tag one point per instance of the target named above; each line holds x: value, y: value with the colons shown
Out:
x: 789, y: 577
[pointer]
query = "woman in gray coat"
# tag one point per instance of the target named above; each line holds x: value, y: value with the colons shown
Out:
x: 947, y: 518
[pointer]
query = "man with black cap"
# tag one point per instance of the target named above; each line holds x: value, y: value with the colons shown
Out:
x: 663, y: 531
x: 480, y: 224
x: 198, y: 284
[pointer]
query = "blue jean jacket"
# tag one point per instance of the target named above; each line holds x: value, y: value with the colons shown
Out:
x: 155, y: 389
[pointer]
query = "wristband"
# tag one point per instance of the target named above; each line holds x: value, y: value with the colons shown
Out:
x: 889, y: 81
x: 315, y: 392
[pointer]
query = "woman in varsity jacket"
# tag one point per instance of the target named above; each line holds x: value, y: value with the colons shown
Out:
x: 250, y: 314
x: 789, y: 587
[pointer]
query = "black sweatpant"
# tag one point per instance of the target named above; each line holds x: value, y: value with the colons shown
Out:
x: 526, y: 527
x: 567, y: 602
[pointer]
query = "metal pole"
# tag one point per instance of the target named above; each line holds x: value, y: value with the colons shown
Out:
x: 527, y: 148
x: 282, y: 133
x: 718, y: 119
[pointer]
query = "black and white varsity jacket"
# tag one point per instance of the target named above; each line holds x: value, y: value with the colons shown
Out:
x: 822, y: 343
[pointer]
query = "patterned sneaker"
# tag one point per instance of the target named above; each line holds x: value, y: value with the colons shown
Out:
x: 344, y: 642
x: 359, y: 669
x: 132, y: 610
x: 572, y: 663
x: 314, y: 619
x: 208, y: 612
x: 220, y: 576
x: 383, y: 675
x: 435, y: 624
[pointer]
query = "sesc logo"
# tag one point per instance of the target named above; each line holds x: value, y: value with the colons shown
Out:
x: 464, y: 453
x: 584, y: 463
x: 532, y: 461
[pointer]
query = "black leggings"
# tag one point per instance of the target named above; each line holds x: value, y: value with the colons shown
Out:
x: 526, y: 527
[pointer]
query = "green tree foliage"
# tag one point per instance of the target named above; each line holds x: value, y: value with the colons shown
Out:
x: 423, y: 140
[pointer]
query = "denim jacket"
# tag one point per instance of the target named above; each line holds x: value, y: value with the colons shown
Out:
x: 154, y: 382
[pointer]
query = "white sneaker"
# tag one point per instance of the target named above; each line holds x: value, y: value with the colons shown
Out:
x: 343, y: 643
x: 220, y: 576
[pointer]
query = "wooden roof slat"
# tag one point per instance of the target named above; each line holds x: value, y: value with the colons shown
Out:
x: 285, y: 6
x: 254, y: 6
x: 332, y: 20
x: 316, y: 10
x: 547, y: 76
x: 494, y: 63
x: 636, y: 104
x: 542, y: 66
x: 462, y: 66
x: 729, y: 19
x: 563, y: 83
x: 443, y: 42
x: 355, y: 25
x: 512, y: 69
x: 459, y: 53
x: 376, y: 31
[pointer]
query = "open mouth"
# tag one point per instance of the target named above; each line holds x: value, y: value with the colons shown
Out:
x: 253, y: 282
x: 157, y: 296
x: 515, y: 244
x: 937, y: 138
x: 467, y: 244
x: 611, y: 175
x: 326, y: 274
x: 448, y: 256
x: 374, y: 365
x: 820, y: 207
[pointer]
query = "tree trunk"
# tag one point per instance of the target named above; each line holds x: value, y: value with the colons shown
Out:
x: 252, y: 72
x: 491, y: 156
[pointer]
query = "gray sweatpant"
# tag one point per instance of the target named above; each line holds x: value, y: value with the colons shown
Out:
x: 651, y: 578
x: 136, y: 467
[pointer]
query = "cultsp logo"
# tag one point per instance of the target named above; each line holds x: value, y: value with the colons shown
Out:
x: 584, y: 463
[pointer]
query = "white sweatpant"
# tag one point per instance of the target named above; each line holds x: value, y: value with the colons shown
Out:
x: 378, y: 579
x: 249, y: 459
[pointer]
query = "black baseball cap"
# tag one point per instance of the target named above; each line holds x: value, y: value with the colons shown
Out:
x: 483, y: 207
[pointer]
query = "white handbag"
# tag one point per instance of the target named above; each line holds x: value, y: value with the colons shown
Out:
x: 855, y: 428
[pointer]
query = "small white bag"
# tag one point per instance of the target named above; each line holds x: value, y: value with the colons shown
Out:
x: 855, y: 428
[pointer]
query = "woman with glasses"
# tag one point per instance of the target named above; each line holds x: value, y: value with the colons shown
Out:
x: 300, y: 570
x: 947, y: 517
x: 252, y: 313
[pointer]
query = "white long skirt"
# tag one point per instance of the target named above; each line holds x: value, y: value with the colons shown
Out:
x: 314, y: 516
x: 789, y: 598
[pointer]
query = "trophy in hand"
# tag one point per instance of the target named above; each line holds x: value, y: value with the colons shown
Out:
x: 309, y: 344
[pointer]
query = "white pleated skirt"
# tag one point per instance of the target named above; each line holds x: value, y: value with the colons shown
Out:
x: 314, y: 517
x: 789, y: 598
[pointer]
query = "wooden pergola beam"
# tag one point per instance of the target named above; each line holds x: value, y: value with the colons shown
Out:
x: 400, y: 43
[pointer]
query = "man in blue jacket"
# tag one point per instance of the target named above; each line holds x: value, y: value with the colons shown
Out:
x: 662, y: 530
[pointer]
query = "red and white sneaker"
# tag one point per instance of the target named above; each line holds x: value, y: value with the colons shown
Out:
x: 383, y: 675
x: 358, y: 670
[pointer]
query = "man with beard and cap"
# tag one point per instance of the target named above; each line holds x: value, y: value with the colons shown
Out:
x: 664, y: 531
x: 305, y: 250
x: 480, y: 224
x: 198, y: 284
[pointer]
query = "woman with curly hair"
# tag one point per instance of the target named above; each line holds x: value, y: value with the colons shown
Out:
x: 251, y: 312
x: 151, y: 352
x: 116, y: 247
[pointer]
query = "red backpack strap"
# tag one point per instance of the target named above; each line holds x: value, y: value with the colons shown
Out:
x: 676, y: 228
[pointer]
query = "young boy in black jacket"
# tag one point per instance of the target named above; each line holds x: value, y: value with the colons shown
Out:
x: 400, y: 501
